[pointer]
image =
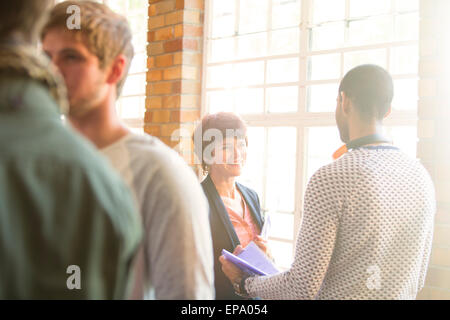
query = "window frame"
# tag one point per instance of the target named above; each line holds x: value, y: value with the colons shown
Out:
x: 301, y: 119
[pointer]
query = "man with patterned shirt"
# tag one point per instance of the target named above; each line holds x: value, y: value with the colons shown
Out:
x: 367, y: 224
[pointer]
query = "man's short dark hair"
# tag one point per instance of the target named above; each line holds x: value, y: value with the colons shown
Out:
x: 371, y: 90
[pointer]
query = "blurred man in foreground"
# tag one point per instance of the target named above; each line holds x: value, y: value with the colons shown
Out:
x: 69, y: 228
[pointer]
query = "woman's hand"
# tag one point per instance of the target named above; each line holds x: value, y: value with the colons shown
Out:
x: 263, y: 245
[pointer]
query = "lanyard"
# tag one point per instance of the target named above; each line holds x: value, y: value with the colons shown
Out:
x: 360, y: 142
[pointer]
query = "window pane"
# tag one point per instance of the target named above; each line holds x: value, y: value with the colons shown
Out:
x: 249, y: 101
x: 285, y: 13
x: 322, y: 98
x: 407, y: 27
x: 282, y: 99
x: 328, y: 36
x: 404, y: 137
x: 369, y: 31
x: 328, y: 10
x: 135, y: 84
x: 322, y: 143
x: 132, y: 107
x: 252, y: 46
x: 281, y: 168
x: 282, y: 253
x: 407, y: 5
x: 219, y: 101
x: 139, y: 63
x: 253, y: 173
x: 249, y: 73
x: 284, y: 41
x: 354, y: 59
x: 220, y: 76
x: 223, y: 16
x: 361, y: 8
x: 282, y: 70
x: 221, y: 50
x: 282, y: 226
x: 405, y: 60
x: 253, y: 16
x: 405, y: 94
x: 323, y: 67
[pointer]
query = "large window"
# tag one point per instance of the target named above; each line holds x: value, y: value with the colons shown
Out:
x: 278, y: 63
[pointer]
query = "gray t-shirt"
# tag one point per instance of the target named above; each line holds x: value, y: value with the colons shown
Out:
x: 175, y: 260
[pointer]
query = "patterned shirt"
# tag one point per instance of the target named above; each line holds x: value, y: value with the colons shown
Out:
x: 366, y: 231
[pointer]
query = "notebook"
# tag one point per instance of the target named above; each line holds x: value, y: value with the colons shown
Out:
x: 252, y: 260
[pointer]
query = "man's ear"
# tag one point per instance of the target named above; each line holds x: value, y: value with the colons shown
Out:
x: 345, y: 104
x: 117, y: 69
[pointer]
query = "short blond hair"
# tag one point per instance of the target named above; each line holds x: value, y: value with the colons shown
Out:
x: 105, y: 33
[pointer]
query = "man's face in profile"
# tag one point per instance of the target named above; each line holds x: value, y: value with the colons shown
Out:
x: 80, y: 68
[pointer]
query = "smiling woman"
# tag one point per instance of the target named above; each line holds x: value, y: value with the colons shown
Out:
x: 235, y: 215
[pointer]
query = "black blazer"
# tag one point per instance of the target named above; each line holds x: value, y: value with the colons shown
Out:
x: 223, y: 233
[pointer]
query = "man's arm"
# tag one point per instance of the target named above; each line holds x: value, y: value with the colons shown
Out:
x: 314, y: 247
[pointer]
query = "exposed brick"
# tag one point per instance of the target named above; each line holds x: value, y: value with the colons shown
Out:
x: 190, y: 101
x: 159, y: 88
x: 150, y: 62
x: 154, y: 130
x: 163, y: 34
x: 164, y: 6
x: 156, y: 22
x: 188, y: 30
x: 174, y: 17
x: 153, y: 103
x: 179, y: 44
x: 192, y: 17
x: 189, y: 72
x: 154, y: 75
x: 187, y: 87
x: 177, y: 58
x: 165, y: 60
x: 159, y: 116
x: 168, y: 129
x: 171, y: 102
x: 185, y: 115
x: 172, y: 73
x: 190, y: 4
x: 155, y: 48
x: 173, y: 45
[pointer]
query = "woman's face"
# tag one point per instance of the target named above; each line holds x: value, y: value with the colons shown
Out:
x: 230, y: 157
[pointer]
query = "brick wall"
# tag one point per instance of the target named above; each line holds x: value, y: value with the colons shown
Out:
x: 434, y: 134
x: 175, y: 57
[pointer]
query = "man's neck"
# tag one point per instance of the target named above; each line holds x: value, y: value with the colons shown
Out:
x: 360, y: 130
x: 101, y: 126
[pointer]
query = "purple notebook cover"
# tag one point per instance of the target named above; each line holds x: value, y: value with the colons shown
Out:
x: 252, y: 261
